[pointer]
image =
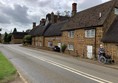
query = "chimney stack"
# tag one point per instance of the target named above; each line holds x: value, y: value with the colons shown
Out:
x: 74, y: 9
x: 42, y: 22
x: 52, y: 17
x: 34, y: 24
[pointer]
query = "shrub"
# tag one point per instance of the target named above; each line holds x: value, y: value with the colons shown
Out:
x: 63, y: 48
x: 27, y: 39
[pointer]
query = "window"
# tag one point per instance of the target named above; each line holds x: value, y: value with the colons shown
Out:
x: 90, y: 33
x: 116, y: 11
x: 49, y: 44
x: 71, y: 34
x: 70, y: 47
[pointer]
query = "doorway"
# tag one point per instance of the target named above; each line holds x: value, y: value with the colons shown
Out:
x: 89, y: 51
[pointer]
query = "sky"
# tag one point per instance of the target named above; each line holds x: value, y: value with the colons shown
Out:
x: 21, y: 13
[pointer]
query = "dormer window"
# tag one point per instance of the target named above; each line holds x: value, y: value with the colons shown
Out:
x: 100, y: 15
x: 116, y: 11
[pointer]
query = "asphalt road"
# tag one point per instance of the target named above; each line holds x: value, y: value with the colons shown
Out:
x: 47, y: 67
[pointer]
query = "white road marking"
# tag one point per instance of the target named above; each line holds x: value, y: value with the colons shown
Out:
x: 24, y: 80
x: 94, y: 78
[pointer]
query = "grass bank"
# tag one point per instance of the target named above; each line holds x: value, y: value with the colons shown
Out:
x: 7, y: 70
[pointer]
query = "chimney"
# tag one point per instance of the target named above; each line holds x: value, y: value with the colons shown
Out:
x: 34, y: 24
x: 52, y: 17
x: 42, y: 22
x: 74, y: 9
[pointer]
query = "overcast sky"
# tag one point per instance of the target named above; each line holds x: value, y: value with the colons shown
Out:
x: 21, y: 13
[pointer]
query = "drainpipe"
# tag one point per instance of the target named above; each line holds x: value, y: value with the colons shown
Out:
x: 95, y: 45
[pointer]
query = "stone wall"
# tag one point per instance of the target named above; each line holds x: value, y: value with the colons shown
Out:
x: 17, y: 41
x: 37, y: 41
x: 80, y: 42
x: 54, y: 40
x: 112, y: 50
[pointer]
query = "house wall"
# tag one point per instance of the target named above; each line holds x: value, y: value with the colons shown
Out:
x: 66, y: 40
x: 54, y: 40
x: 112, y: 50
x: 80, y: 42
x: 17, y: 41
x: 33, y: 41
x: 37, y: 41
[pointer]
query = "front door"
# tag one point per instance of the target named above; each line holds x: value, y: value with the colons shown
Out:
x: 89, y: 51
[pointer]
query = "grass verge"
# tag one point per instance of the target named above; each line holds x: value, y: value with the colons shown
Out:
x: 7, y: 70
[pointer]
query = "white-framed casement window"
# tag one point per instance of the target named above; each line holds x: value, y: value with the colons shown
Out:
x: 49, y: 44
x: 90, y: 33
x: 70, y: 47
x: 71, y: 34
x: 116, y: 11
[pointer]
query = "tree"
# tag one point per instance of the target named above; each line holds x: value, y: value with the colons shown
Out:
x: 27, y: 39
x: 9, y: 37
x: 5, y: 37
x: 15, y: 30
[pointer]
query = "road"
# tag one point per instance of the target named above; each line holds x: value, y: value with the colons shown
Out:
x: 47, y: 67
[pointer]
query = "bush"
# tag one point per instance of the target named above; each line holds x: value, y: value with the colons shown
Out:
x: 27, y: 39
x: 63, y: 48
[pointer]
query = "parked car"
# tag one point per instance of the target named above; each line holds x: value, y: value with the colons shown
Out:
x: 56, y: 48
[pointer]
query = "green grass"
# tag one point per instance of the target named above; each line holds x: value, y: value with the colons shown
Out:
x: 7, y: 70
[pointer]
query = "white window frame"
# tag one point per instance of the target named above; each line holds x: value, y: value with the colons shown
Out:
x: 71, y: 34
x: 49, y: 44
x: 70, y: 47
x: 90, y: 33
x: 116, y: 11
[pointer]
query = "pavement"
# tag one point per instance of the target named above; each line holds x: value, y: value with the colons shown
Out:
x: 113, y: 65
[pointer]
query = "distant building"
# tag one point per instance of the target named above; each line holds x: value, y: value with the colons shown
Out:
x: 17, y: 37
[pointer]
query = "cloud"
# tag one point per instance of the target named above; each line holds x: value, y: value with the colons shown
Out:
x: 87, y: 4
x: 21, y: 13
x: 4, y: 19
x: 17, y: 14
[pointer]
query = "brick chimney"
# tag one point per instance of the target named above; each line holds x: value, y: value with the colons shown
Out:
x: 34, y: 24
x: 52, y: 17
x: 74, y: 9
x: 42, y: 22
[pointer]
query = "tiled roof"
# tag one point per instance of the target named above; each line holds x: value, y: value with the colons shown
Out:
x: 19, y: 35
x: 90, y: 17
x: 111, y: 35
x: 55, y: 29
x: 38, y: 30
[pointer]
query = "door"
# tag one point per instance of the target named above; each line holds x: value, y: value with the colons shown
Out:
x: 89, y: 51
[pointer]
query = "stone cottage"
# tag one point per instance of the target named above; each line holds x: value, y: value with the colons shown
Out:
x: 17, y: 37
x: 85, y: 29
x: 48, y: 30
